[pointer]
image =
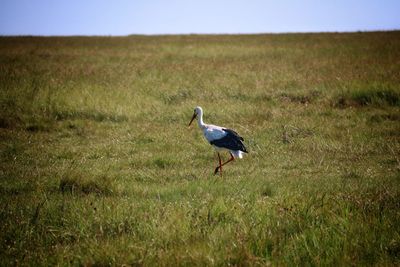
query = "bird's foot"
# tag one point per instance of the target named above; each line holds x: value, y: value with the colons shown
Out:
x: 216, y: 170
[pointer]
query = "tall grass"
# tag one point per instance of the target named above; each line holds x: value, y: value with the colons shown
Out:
x: 98, y: 166
x: 374, y: 94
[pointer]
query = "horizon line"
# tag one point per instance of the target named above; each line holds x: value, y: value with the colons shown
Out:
x: 198, y: 34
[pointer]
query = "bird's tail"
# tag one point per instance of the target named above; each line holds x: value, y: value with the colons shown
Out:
x: 237, y: 154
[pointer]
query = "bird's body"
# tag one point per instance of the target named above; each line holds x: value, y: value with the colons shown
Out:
x: 220, y: 138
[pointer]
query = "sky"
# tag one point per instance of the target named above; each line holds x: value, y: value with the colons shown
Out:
x: 124, y: 17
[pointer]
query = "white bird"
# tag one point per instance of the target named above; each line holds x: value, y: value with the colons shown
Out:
x: 220, y: 138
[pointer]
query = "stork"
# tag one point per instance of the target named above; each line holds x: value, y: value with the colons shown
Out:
x: 221, y: 139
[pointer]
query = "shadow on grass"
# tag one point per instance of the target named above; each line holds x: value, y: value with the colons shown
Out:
x: 369, y: 96
x: 89, y: 115
x: 301, y: 98
x: 77, y: 183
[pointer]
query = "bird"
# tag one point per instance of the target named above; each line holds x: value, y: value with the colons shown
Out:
x: 221, y: 139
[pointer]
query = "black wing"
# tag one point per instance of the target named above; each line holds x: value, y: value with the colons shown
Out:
x: 232, y: 141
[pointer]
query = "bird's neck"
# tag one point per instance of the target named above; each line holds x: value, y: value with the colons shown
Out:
x: 200, y: 121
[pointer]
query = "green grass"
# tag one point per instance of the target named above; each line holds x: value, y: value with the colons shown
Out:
x: 370, y: 95
x: 98, y: 166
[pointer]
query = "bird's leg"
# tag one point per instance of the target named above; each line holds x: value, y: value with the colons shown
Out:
x: 229, y: 160
x: 220, y: 165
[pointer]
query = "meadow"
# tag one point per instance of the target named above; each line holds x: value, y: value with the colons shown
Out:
x: 99, y: 167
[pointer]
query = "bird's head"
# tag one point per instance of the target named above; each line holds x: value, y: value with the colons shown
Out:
x: 196, y: 112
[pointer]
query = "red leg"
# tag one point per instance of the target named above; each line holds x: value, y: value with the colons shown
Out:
x: 229, y: 160
x: 220, y: 167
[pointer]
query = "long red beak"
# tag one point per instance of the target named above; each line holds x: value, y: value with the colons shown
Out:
x: 194, y: 116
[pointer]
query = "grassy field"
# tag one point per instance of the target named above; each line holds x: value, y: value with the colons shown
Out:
x: 98, y: 165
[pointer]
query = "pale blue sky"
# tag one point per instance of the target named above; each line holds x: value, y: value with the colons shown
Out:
x: 123, y: 17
